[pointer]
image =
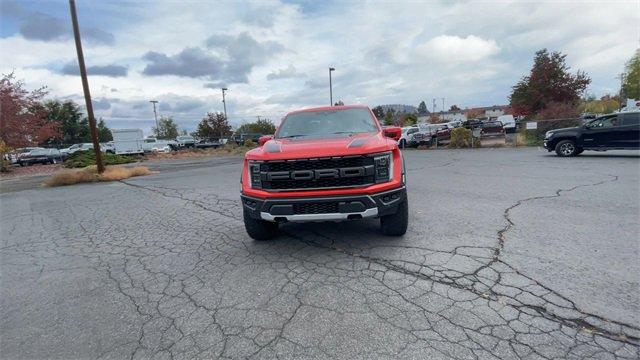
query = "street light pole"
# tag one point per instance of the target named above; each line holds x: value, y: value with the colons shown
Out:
x: 155, y: 114
x: 85, y: 87
x: 330, y: 87
x: 224, y: 103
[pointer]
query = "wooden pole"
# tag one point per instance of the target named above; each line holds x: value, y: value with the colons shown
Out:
x: 85, y: 87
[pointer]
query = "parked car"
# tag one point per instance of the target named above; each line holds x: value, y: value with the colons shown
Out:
x: 77, y: 147
x: 208, y: 143
x: 41, y: 156
x: 443, y: 134
x: 472, y: 124
x: 407, y: 132
x: 108, y: 147
x: 492, y: 129
x: 241, y: 138
x: 608, y: 132
x: 15, y: 155
x: 508, y: 122
x: 156, y: 145
x: 185, y: 141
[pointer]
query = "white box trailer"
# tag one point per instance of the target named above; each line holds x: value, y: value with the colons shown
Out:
x: 128, y: 141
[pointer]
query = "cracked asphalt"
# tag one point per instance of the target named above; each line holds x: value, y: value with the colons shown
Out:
x: 510, y: 254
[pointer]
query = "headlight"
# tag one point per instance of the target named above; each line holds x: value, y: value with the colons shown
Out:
x: 255, y: 181
x: 383, y: 168
x: 548, y: 134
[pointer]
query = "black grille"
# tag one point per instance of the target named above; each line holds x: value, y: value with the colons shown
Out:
x: 314, y: 164
x: 317, y: 164
x: 315, y: 208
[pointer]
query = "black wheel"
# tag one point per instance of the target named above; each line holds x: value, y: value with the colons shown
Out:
x: 566, y: 148
x: 403, y: 143
x: 21, y: 163
x: 259, y: 229
x: 396, y: 224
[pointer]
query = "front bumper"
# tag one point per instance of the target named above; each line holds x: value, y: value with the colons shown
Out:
x: 329, y: 208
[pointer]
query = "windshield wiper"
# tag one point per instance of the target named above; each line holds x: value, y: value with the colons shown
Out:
x: 291, y: 136
x: 351, y: 133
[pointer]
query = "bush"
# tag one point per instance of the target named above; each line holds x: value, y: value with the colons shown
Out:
x: 90, y: 174
x: 249, y: 143
x: 81, y: 159
x: 461, y: 138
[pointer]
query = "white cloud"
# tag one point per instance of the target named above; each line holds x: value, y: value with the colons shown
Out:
x: 447, y: 48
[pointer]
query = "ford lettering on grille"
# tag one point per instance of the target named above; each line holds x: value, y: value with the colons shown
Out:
x: 320, y: 173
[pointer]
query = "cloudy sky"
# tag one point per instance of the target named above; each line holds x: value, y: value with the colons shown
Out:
x: 274, y: 55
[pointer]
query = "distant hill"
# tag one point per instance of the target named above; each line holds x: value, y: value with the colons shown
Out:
x: 400, y: 108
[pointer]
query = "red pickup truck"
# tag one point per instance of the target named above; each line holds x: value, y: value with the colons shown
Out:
x: 325, y: 164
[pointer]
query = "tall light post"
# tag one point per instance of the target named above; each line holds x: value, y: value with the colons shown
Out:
x: 85, y: 86
x: 155, y: 114
x: 224, y: 103
x: 330, y: 87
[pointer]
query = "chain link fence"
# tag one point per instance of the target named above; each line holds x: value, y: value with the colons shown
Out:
x: 531, y: 132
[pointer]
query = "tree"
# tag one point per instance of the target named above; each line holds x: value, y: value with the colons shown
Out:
x: 104, y: 133
x: 167, y: 128
x: 73, y: 127
x: 378, y: 111
x: 262, y: 126
x: 549, y: 82
x: 339, y: 103
x: 22, y: 116
x: 631, y: 85
x: 409, y: 119
x: 422, y: 108
x: 606, y: 105
x: 388, y: 117
x: 213, y: 125
x: 454, y: 108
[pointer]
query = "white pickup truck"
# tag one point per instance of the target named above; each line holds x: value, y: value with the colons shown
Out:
x: 156, y: 145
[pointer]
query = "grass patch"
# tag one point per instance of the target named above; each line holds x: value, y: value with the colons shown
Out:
x: 529, y: 138
x: 90, y: 174
x: 82, y: 159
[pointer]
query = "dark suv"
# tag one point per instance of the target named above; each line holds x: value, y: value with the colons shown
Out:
x: 610, y: 132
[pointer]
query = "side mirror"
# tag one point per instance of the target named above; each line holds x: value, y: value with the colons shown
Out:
x: 264, y: 138
x: 393, y: 132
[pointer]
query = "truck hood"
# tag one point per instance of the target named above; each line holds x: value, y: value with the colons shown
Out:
x: 555, y: 131
x: 281, y: 149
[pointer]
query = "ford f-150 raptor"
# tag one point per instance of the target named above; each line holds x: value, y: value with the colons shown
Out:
x: 325, y: 164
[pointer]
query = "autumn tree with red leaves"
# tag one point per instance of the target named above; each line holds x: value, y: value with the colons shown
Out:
x: 22, y: 115
x: 549, y: 84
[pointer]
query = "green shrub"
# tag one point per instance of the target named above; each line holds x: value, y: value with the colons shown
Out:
x: 249, y: 143
x: 461, y: 138
x: 530, y: 138
x: 80, y: 159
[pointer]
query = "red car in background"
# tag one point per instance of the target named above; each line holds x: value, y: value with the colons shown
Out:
x: 492, y: 129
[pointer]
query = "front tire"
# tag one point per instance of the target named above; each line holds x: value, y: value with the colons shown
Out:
x: 259, y: 230
x: 566, y: 148
x: 403, y: 143
x: 396, y: 224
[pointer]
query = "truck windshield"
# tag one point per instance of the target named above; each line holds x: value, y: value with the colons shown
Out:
x: 327, y: 123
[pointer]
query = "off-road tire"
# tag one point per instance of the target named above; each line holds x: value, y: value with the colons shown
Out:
x: 396, y: 224
x: 566, y: 148
x: 259, y: 230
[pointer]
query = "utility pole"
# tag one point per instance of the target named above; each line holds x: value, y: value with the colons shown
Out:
x: 330, y: 87
x: 85, y: 87
x: 155, y: 114
x: 224, y: 103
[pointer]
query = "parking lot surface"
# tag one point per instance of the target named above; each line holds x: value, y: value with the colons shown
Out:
x: 510, y: 253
